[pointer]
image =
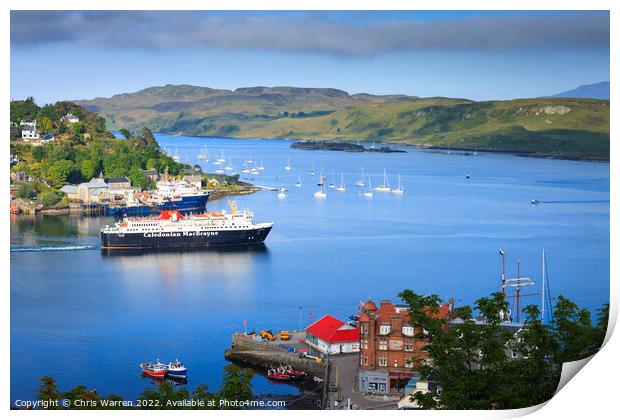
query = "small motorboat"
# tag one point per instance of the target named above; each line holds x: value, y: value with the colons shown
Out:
x: 295, y: 374
x: 282, y: 194
x: 535, y: 202
x: 154, y: 370
x: 273, y: 374
x: 176, y: 369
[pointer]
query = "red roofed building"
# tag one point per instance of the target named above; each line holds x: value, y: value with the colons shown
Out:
x: 388, y: 348
x: 332, y: 336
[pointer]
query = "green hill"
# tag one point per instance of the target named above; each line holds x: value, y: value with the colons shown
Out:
x: 558, y: 127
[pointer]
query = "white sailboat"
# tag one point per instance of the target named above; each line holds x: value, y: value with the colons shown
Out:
x: 176, y: 156
x: 331, y: 184
x: 386, y: 184
x: 254, y: 170
x: 312, y: 170
x: 298, y: 183
x: 221, y: 159
x: 261, y: 167
x: 369, y: 192
x: 244, y: 168
x: 282, y: 194
x: 399, y: 189
x: 341, y: 187
x: 320, y: 193
x: 203, y: 154
x: 360, y: 182
x: 229, y: 166
x: 288, y: 165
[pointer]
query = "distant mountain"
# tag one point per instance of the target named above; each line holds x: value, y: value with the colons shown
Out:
x: 595, y: 91
x: 573, y: 128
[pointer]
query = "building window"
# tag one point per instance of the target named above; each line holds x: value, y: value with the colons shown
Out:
x: 408, y: 363
x: 514, y: 354
x: 382, y: 361
x: 382, y: 345
x: 408, y: 331
x: 364, y: 329
x: 408, y: 346
x: 384, y: 329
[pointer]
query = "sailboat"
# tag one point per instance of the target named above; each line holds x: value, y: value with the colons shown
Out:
x: 244, y: 168
x: 288, y: 165
x: 298, y: 183
x: 331, y: 184
x: 341, y: 187
x: 221, y: 159
x: 386, y: 184
x: 321, y: 179
x: 203, y: 154
x: 399, y: 189
x: 369, y: 193
x: 229, y: 166
x: 320, y: 193
x: 261, y: 167
x: 360, y: 182
x: 312, y: 170
x: 282, y: 194
x: 254, y: 170
x: 176, y: 156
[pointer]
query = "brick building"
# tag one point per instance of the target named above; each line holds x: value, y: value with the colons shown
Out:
x: 387, y: 347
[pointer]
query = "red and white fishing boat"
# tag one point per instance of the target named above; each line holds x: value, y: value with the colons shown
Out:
x: 154, y: 370
x: 273, y: 374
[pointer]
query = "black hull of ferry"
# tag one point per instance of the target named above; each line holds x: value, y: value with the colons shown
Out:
x: 196, y: 239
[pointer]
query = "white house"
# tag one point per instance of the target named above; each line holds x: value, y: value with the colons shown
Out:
x: 70, y: 118
x: 30, y: 133
x: 28, y: 123
x: 48, y: 138
x: 332, y: 336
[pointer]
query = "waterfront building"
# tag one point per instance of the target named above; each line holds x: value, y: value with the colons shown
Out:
x: 71, y: 191
x: 388, y: 348
x: 151, y: 175
x: 195, y: 180
x: 332, y: 336
x: 92, y: 192
x: 119, y: 183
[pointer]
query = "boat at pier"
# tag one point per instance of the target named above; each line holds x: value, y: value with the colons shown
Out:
x: 181, y: 196
x: 171, y: 229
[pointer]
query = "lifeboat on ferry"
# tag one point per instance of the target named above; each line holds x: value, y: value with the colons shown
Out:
x: 173, y: 215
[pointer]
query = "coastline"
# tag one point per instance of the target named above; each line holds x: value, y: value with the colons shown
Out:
x: 538, y: 155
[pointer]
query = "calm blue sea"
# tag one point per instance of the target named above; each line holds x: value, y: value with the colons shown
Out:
x: 84, y: 317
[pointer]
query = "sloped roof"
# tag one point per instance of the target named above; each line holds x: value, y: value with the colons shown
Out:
x: 94, y: 184
x: 117, y: 179
x: 333, y: 330
x: 69, y: 189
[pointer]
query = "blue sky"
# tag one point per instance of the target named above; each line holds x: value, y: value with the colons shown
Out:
x: 471, y: 54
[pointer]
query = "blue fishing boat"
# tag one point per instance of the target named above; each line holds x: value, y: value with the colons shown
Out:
x: 176, y: 369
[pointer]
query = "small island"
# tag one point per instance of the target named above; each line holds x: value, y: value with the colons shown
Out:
x: 342, y: 146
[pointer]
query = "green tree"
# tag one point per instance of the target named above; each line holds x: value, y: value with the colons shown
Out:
x: 48, y: 198
x: 24, y: 190
x: 165, y: 394
x: 46, y: 125
x: 24, y: 110
x: 89, y: 168
x: 48, y: 391
x: 137, y: 177
x: 236, y: 384
x: 39, y: 153
x: 58, y: 173
x: 78, y: 128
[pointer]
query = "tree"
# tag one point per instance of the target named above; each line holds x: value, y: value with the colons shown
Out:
x: 58, y: 173
x: 46, y: 125
x: 164, y: 394
x: 78, y: 128
x: 89, y: 168
x: 24, y: 191
x: 39, y: 153
x: 24, y: 110
x: 48, y: 198
x: 470, y: 357
x: 137, y: 177
x: 48, y: 391
x: 236, y: 384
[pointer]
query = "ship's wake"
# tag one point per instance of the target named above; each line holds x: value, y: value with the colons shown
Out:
x: 51, y: 248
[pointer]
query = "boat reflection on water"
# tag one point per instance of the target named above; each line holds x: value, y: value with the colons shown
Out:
x: 155, y: 381
x: 259, y: 248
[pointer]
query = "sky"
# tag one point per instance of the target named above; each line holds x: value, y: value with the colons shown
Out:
x: 60, y: 55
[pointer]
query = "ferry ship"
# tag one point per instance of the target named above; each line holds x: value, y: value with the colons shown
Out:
x: 181, y: 196
x: 174, y: 230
